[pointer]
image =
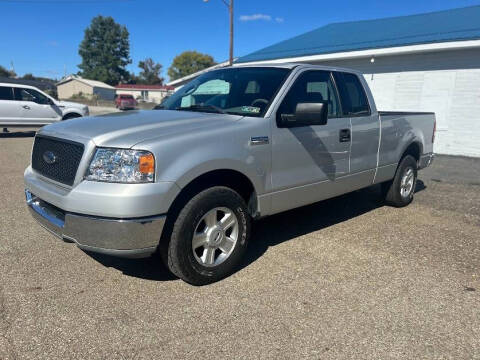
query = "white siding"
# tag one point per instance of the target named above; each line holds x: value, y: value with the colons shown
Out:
x: 446, y: 82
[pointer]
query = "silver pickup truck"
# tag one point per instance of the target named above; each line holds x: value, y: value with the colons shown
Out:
x: 233, y: 145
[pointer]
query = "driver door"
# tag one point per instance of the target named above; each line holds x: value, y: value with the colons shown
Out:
x: 36, y: 108
x: 309, y: 161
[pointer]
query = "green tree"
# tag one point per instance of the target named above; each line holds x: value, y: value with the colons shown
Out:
x: 150, y: 73
x: 189, y: 62
x: 6, y: 73
x: 105, y: 51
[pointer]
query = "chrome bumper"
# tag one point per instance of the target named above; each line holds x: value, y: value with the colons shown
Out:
x: 426, y: 160
x: 132, y: 238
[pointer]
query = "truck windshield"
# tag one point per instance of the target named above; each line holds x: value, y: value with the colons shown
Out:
x: 244, y: 91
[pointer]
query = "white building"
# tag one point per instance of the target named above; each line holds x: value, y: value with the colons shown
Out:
x: 148, y: 93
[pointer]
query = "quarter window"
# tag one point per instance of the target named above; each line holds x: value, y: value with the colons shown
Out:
x: 352, y: 93
x: 311, y: 87
x: 6, y: 93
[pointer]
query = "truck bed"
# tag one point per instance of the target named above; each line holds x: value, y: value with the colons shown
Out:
x: 399, y: 129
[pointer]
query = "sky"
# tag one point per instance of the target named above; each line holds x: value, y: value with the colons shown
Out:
x: 42, y: 36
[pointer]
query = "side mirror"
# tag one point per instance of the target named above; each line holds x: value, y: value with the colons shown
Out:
x: 306, y: 114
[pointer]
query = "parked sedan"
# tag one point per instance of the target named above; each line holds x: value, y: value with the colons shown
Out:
x: 125, y: 102
x: 23, y: 105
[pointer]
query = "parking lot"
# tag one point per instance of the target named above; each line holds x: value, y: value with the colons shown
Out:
x: 345, y: 278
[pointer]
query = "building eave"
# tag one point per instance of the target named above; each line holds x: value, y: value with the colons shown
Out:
x: 387, y: 51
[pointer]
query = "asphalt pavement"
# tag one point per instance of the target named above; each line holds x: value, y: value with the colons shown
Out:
x: 348, y: 278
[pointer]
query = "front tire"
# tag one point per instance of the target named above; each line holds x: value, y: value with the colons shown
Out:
x: 209, y: 236
x: 399, y: 192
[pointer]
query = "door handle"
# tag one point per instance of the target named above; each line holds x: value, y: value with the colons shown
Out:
x: 26, y: 107
x: 345, y: 135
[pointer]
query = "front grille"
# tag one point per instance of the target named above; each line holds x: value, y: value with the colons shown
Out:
x: 63, y: 158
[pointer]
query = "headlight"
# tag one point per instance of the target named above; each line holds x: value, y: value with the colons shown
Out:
x: 122, y: 166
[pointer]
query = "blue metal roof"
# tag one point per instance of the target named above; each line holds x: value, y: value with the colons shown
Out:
x: 441, y: 26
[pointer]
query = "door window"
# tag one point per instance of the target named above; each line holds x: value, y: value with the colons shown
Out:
x: 311, y: 87
x: 6, y: 93
x: 22, y: 94
x: 352, y: 93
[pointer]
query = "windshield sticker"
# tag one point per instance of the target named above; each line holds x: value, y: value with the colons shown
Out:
x: 251, y: 109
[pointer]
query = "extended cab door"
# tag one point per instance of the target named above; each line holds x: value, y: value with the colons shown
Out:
x: 365, y: 126
x: 36, y: 108
x: 307, y: 160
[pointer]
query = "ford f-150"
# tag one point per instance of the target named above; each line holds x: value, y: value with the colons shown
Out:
x: 235, y: 144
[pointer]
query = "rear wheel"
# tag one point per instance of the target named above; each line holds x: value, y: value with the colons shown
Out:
x: 399, y: 192
x: 209, y: 236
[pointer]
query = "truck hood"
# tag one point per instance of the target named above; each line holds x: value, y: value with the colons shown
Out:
x: 125, y: 129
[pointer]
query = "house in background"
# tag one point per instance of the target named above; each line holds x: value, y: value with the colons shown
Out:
x: 74, y: 85
x: 147, y: 93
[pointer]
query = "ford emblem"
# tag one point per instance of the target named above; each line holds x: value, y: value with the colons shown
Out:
x: 49, y: 157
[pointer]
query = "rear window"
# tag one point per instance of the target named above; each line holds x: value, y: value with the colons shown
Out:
x: 353, y: 97
x: 126, y: 96
x: 6, y: 93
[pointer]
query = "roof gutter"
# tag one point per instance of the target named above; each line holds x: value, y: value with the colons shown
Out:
x: 397, y: 50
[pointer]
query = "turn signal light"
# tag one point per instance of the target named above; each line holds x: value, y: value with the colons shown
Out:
x: 146, y: 164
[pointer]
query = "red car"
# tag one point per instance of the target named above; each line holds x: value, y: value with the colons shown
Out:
x: 124, y: 102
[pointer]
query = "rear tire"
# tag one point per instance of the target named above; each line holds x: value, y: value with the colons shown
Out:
x: 209, y: 237
x: 399, y: 192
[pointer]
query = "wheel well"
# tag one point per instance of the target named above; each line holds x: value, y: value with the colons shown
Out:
x: 225, y: 177
x: 71, y: 116
x: 413, y: 149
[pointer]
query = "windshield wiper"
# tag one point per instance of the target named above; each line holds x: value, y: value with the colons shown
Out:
x: 203, y: 107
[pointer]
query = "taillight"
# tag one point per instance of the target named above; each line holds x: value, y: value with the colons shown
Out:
x: 434, y: 129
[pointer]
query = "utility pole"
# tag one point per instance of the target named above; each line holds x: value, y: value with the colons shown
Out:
x: 229, y: 4
x: 230, y: 9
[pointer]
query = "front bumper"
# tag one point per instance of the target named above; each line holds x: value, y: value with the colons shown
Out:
x: 133, y: 238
